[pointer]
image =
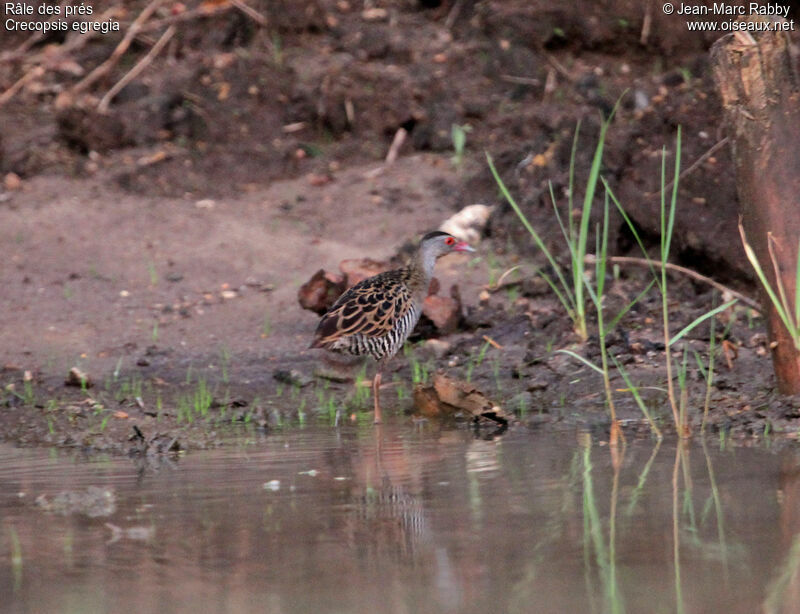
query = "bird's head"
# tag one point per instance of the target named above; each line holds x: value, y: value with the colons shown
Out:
x: 438, y: 243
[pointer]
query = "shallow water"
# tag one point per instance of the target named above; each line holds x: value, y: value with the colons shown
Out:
x: 404, y: 520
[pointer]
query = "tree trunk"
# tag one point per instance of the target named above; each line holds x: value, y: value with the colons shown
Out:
x: 758, y: 85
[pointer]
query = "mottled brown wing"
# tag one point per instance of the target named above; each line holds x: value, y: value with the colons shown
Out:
x: 372, y: 308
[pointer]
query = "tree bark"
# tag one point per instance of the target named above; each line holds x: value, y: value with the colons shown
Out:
x: 758, y: 85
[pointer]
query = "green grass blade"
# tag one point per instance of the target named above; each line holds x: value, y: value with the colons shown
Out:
x: 602, y: 261
x: 633, y: 230
x: 637, y: 397
x: 751, y: 256
x: 563, y: 299
x: 571, y: 194
x: 700, y: 365
x: 701, y: 319
x: 578, y: 266
x: 674, y: 198
x: 582, y: 359
x: 565, y: 232
x: 537, y: 239
x: 797, y: 288
x: 628, y: 307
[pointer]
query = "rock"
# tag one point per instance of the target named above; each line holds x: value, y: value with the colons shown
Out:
x: 375, y: 14
x: 12, y: 182
x: 450, y: 397
x: 333, y: 374
x: 321, y: 291
x: 522, y: 402
x: 443, y: 311
x: 89, y: 130
x: 469, y: 223
x: 292, y: 377
x: 538, y: 383
x: 426, y: 402
x: 436, y: 347
x: 78, y: 378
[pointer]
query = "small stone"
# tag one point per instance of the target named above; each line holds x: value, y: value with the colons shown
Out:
x: 78, y: 378
x: 375, y: 14
x: 537, y: 384
x: 437, y: 347
x: 292, y: 377
x: 321, y: 291
x: 443, y: 311
x: 12, y: 182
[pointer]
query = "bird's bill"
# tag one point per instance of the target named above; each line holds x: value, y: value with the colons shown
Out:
x: 463, y: 246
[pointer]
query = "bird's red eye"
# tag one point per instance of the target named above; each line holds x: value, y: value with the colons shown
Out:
x: 449, y: 241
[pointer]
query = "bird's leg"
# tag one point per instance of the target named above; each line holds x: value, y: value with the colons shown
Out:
x: 376, y: 391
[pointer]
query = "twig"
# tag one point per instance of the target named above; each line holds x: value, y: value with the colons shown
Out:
x: 559, y: 67
x: 185, y: 16
x: 647, y: 23
x: 500, y: 285
x: 520, y: 80
x: 397, y: 143
x: 250, y: 12
x: 29, y: 42
x: 33, y: 73
x: 591, y: 259
x: 453, y: 14
x: 492, y: 342
x: 134, y: 72
x: 693, y: 166
x: 121, y: 48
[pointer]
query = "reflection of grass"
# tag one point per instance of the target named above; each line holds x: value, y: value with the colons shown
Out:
x: 780, y: 593
x: 676, y: 539
x: 16, y: 557
x: 637, y: 491
x: 717, y: 501
x: 594, y: 541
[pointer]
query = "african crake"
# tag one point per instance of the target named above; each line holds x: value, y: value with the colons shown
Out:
x: 377, y: 315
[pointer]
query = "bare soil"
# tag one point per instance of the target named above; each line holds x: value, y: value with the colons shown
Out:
x: 159, y: 248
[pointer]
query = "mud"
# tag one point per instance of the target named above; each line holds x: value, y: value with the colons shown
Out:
x: 160, y: 248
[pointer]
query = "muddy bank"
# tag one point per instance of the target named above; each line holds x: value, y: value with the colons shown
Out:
x: 159, y: 248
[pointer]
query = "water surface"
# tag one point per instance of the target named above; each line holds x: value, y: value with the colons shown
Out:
x: 404, y: 519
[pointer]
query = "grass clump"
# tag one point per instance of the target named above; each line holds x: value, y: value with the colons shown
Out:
x: 790, y: 317
x: 579, y: 292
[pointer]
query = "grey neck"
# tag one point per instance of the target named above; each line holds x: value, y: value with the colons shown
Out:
x: 424, y: 261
